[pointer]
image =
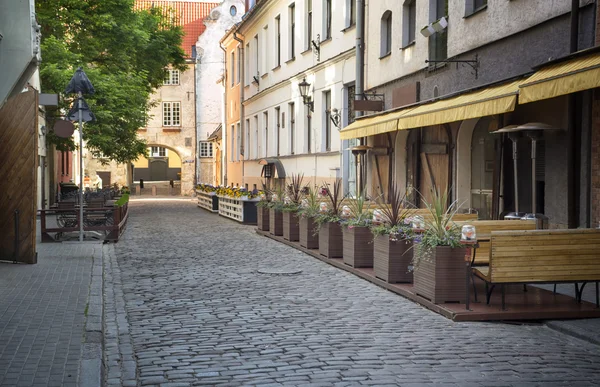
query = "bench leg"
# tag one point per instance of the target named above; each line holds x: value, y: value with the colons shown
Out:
x: 554, y: 291
x: 597, y: 296
x: 503, y: 297
x: 474, y: 287
x: 488, y: 293
x: 525, y: 288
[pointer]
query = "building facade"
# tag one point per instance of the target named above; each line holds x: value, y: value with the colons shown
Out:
x: 284, y: 44
x: 479, y: 50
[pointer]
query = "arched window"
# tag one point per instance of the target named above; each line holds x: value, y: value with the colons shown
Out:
x: 386, y: 34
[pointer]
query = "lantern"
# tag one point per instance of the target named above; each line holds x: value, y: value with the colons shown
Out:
x: 418, y: 223
x: 377, y: 216
x: 468, y: 234
x: 346, y: 212
x: 323, y: 207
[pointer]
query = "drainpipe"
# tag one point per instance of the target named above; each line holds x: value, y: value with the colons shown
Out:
x: 573, y: 179
x: 359, y: 85
x: 241, y: 86
x: 197, y: 155
x: 224, y: 124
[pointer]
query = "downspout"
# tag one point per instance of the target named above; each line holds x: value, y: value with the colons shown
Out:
x: 224, y: 124
x: 572, y: 150
x: 197, y: 156
x: 359, y: 85
x: 241, y: 86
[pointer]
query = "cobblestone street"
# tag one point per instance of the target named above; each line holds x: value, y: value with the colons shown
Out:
x: 185, y: 304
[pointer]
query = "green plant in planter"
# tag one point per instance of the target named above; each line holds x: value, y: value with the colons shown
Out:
x: 397, y: 216
x: 276, y: 202
x: 440, y: 229
x: 360, y: 215
x: 333, y: 193
x: 294, y: 192
x: 265, y: 195
x: 309, y: 205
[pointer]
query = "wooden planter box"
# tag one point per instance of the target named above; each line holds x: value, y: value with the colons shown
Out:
x: 391, y: 260
x: 291, y: 228
x: 239, y: 209
x: 262, y: 218
x: 331, y: 240
x: 275, y: 222
x: 308, y: 238
x: 358, y: 247
x: 441, y: 276
x: 208, y: 201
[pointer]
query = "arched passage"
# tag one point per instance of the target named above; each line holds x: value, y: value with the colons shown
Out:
x: 163, y: 164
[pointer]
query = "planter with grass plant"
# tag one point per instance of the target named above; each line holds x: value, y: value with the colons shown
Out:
x: 262, y: 209
x: 293, y: 196
x: 357, y: 236
x: 328, y: 220
x: 309, y: 209
x: 275, y: 214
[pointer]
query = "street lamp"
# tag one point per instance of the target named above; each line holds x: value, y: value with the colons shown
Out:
x: 304, y: 88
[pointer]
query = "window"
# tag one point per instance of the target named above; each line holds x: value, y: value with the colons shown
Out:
x: 278, y: 129
x: 327, y: 22
x: 438, y: 42
x: 292, y: 31
x: 409, y: 22
x: 248, y: 143
x: 292, y: 114
x: 232, y: 75
x: 266, y: 122
x: 265, y: 53
x: 247, y: 65
x: 233, y: 10
x: 308, y: 131
x: 256, y: 55
x: 232, y: 157
x: 386, y: 34
x: 327, y: 123
x: 256, y: 141
x: 309, y: 22
x: 171, y: 78
x: 278, y: 41
x: 473, y: 6
x: 238, y: 142
x: 158, y: 151
x: 206, y: 149
x: 350, y: 13
x: 239, y: 64
x: 171, y: 113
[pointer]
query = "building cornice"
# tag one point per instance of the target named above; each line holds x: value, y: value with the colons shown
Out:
x: 318, y: 67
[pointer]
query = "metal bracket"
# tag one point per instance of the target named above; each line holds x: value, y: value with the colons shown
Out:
x: 316, y: 46
x: 473, y: 63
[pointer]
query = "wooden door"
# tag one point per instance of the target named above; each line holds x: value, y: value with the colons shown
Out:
x: 105, y: 176
x: 434, y: 158
x: 18, y: 177
x: 158, y: 170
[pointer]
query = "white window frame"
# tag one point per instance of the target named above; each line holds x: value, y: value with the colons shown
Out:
x: 172, y: 78
x: 386, y: 34
x: 327, y: 19
x: 206, y: 149
x: 171, y: 113
x: 309, y: 24
x: 409, y: 23
x: 158, y: 151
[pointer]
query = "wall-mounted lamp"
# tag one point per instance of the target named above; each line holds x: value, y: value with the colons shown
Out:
x: 304, y: 87
x: 256, y: 79
x: 43, y: 131
x: 316, y: 46
x: 335, y: 117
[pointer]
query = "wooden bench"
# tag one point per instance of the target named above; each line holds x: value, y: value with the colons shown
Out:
x: 542, y: 257
x: 484, y: 228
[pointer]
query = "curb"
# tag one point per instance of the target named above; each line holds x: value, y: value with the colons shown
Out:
x: 580, y: 329
x: 90, y: 372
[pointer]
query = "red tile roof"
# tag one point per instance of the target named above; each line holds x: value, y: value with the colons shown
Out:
x: 190, y: 16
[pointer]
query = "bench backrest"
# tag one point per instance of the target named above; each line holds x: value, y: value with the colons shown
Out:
x: 484, y: 230
x: 545, y: 256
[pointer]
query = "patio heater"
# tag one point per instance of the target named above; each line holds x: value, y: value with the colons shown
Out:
x: 360, y: 152
x: 534, y: 131
x: 514, y: 134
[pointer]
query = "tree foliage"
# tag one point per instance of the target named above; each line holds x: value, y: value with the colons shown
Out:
x: 125, y: 54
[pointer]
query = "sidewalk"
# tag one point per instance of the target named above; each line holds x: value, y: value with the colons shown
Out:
x: 51, y: 317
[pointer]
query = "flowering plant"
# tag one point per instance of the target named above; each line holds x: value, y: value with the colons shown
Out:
x: 331, y: 211
x: 396, y: 216
x: 310, y: 205
x: 357, y: 213
x: 206, y: 188
x: 440, y: 229
x: 294, y: 193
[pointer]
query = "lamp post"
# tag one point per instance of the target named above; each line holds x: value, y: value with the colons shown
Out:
x: 304, y: 88
x: 80, y: 84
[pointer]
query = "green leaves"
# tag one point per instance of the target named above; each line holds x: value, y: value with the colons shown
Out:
x: 124, y: 53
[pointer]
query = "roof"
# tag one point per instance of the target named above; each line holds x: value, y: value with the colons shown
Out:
x: 216, y: 135
x: 190, y: 16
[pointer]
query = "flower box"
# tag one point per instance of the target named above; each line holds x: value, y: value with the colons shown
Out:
x: 391, y: 259
x: 262, y: 218
x: 441, y: 274
x: 237, y: 209
x: 208, y: 200
x: 358, y: 246
x: 308, y: 238
x: 331, y: 240
x: 291, y: 228
x: 275, y: 222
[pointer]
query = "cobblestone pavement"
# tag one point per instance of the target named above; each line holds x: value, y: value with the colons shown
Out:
x: 199, y: 313
x: 42, y: 315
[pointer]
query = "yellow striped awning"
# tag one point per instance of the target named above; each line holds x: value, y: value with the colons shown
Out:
x: 562, y: 78
x: 486, y: 102
x: 480, y: 103
x: 370, y: 126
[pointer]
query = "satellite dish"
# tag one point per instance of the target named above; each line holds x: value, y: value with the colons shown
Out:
x: 64, y: 129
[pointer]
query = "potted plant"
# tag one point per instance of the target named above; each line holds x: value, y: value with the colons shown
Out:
x: 438, y: 256
x: 357, y: 236
x: 392, y: 254
x: 328, y: 220
x: 293, y: 196
x: 309, y: 210
x: 262, y: 208
x: 275, y: 214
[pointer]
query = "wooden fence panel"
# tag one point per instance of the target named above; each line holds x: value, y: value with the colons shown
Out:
x: 18, y: 167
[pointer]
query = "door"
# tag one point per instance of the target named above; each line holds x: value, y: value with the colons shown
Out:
x: 434, y: 158
x: 482, y: 169
x: 105, y: 176
x: 158, y: 170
